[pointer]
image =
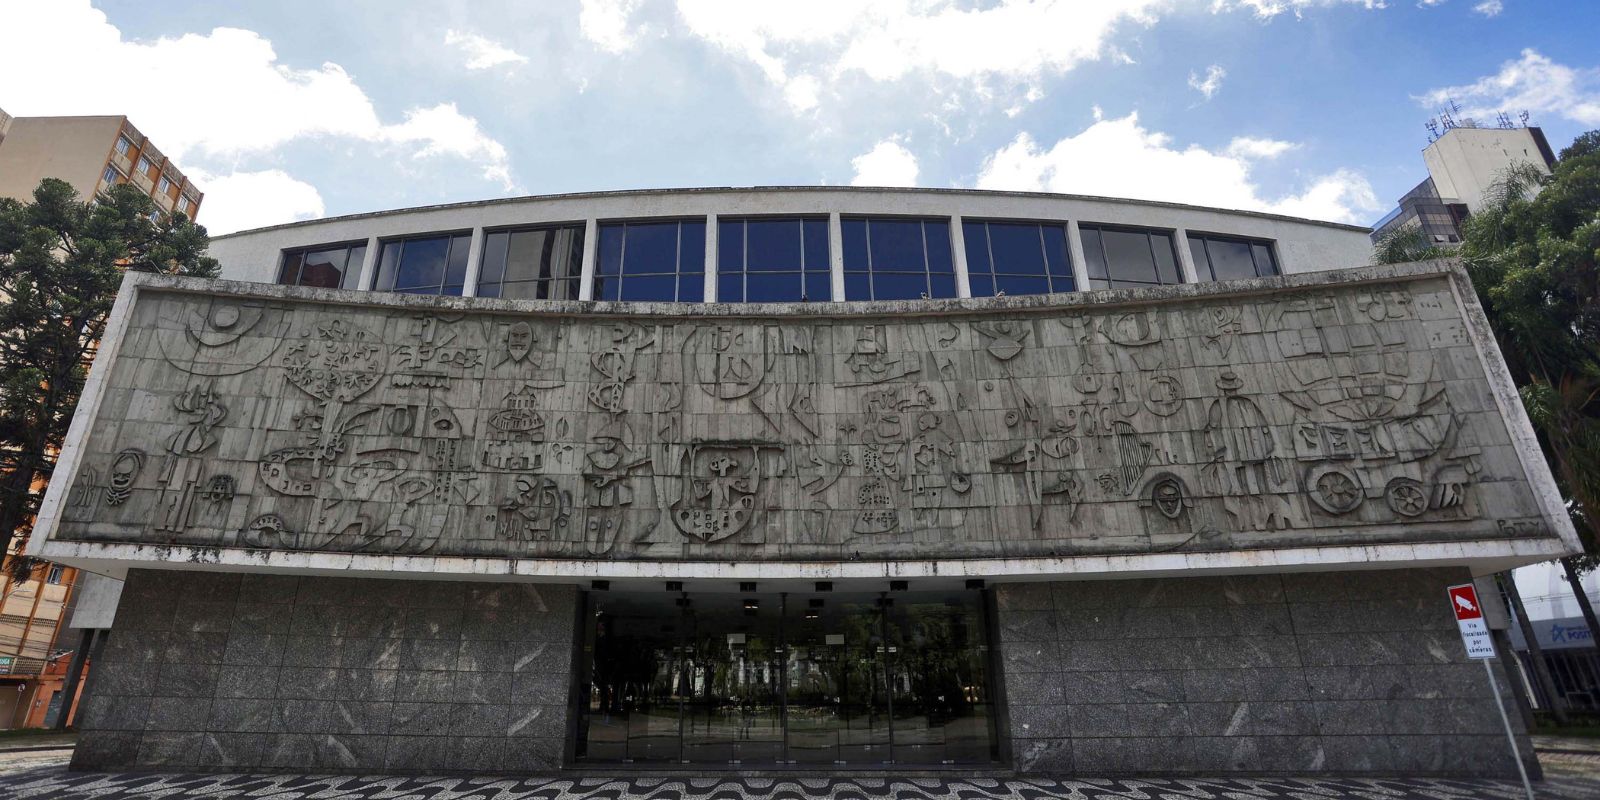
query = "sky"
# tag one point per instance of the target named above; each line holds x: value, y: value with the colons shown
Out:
x: 297, y: 109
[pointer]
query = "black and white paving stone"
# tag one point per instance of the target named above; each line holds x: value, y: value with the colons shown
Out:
x: 56, y: 783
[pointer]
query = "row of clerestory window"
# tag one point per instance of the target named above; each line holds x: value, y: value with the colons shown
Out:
x: 762, y: 260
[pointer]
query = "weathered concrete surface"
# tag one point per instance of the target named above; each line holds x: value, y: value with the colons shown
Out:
x: 1351, y: 409
x: 1343, y: 673
x: 223, y: 671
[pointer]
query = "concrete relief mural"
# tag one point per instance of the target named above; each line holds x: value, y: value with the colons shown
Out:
x: 1343, y: 415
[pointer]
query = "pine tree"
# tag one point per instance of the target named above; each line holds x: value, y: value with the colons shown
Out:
x: 61, y: 263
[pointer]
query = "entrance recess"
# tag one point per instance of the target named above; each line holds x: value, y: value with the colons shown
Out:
x: 780, y: 679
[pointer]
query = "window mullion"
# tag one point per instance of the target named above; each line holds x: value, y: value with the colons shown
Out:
x: 872, y: 282
x: 994, y: 274
x: 1044, y: 255
x: 622, y: 260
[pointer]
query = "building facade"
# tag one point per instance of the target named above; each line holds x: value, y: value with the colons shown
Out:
x: 35, y: 650
x: 798, y: 479
x: 1463, y: 165
x: 93, y: 154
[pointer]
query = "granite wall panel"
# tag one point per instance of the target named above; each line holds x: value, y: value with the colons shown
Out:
x: 1335, y: 672
x: 229, y: 671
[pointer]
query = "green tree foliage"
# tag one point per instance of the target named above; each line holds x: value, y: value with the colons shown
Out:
x: 1405, y: 244
x: 61, y: 262
x: 1533, y: 253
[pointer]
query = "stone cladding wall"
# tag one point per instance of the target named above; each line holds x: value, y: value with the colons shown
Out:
x: 228, y: 671
x: 1332, y: 672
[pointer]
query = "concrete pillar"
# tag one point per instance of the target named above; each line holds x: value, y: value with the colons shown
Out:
x: 711, y: 258
x: 1541, y: 670
x: 836, y: 255
x: 369, y: 265
x: 1186, y: 268
x: 1512, y: 664
x: 474, y: 264
x: 958, y: 241
x: 591, y: 256
x: 1080, y: 264
x: 69, y: 691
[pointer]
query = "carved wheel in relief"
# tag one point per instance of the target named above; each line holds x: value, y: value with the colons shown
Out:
x: 1336, y: 491
x: 1406, y: 497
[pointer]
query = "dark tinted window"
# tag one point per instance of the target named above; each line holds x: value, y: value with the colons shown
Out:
x: 423, y: 265
x: 661, y: 261
x: 897, y: 259
x: 330, y: 267
x: 1121, y: 258
x: 532, y: 264
x: 1017, y: 258
x: 1223, y: 258
x: 773, y: 260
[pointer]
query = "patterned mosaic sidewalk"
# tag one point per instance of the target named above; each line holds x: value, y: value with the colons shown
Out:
x: 55, y: 782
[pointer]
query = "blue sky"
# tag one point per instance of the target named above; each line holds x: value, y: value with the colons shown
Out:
x: 294, y: 109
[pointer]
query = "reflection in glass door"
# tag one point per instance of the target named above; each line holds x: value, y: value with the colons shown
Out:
x: 826, y: 679
x: 838, y: 704
x: 734, y: 704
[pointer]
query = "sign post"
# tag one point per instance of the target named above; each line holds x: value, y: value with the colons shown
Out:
x: 1475, y: 635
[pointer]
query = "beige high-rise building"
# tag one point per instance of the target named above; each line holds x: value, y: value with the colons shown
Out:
x: 92, y: 154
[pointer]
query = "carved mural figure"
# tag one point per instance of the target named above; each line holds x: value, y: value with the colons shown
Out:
x: 202, y: 411
x: 537, y: 512
x: 1243, y: 466
x: 720, y: 484
x: 224, y: 337
x: 124, y: 470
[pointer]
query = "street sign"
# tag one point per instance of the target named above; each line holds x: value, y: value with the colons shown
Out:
x: 1469, y: 618
x: 1475, y: 635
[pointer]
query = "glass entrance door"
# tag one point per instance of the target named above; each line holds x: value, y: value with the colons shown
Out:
x: 803, y: 679
x: 837, y: 689
x: 734, y: 709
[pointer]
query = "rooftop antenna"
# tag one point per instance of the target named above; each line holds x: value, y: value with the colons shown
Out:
x: 1454, y: 109
x: 1448, y: 121
x: 1524, y: 117
x: 1433, y: 130
x: 1505, y: 120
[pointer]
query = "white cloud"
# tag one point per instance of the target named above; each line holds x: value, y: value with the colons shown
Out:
x: 483, y: 53
x: 886, y: 40
x: 443, y: 130
x: 995, y: 49
x: 1489, y: 8
x: 1120, y: 158
x: 243, y: 200
x: 888, y: 163
x: 1267, y: 9
x: 1208, y: 85
x: 608, y: 23
x: 1248, y: 147
x: 802, y: 93
x: 1531, y: 83
x: 220, y: 95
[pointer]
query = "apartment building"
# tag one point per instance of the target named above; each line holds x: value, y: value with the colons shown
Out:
x: 93, y: 154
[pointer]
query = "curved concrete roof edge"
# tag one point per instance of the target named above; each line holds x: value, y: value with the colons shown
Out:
x: 724, y: 189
